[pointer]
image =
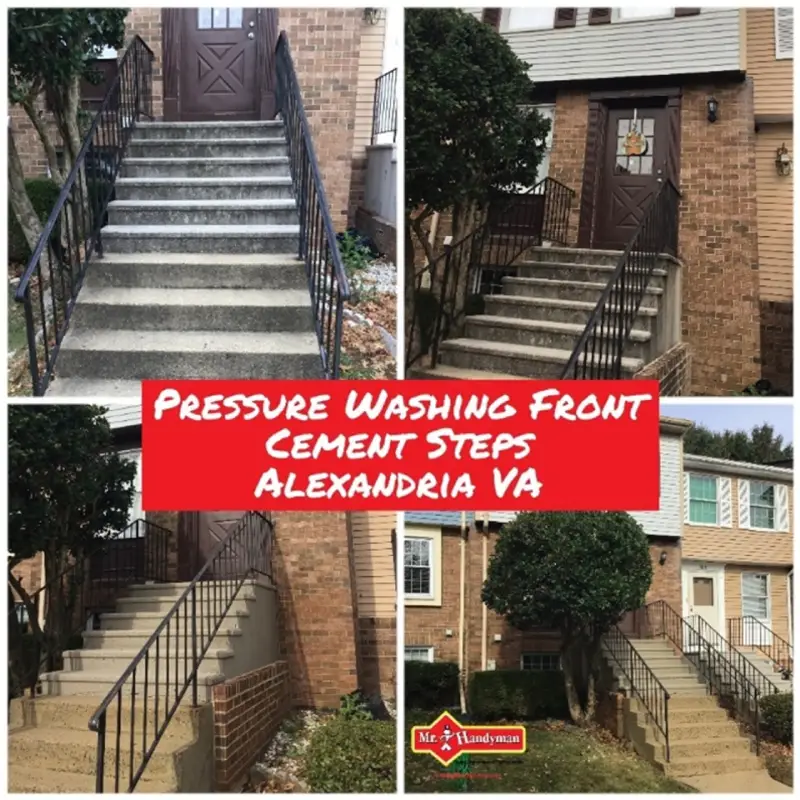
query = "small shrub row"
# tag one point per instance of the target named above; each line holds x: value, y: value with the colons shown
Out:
x: 518, y: 695
x: 777, y: 718
x: 431, y: 687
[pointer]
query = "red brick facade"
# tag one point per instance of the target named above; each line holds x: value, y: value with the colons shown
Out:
x: 777, y: 331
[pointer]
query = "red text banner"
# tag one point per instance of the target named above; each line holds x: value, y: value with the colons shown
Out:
x: 400, y: 445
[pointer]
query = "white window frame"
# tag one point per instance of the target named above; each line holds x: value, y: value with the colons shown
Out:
x: 781, y: 55
x: 416, y: 647
x: 714, y: 478
x: 543, y: 655
x: 616, y: 16
x: 768, y: 591
x: 505, y: 19
x: 753, y: 526
x: 434, y: 534
x: 136, y: 511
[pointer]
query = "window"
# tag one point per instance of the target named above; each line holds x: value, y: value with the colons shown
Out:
x: 528, y: 19
x: 628, y: 14
x: 784, y: 33
x: 549, y: 113
x: 762, y: 505
x: 541, y: 662
x: 417, y: 562
x: 219, y: 18
x: 135, y: 456
x: 416, y: 653
x: 755, y: 596
x: 703, y: 506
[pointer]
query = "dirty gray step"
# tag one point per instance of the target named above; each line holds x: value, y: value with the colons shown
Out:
x: 226, y: 637
x: 200, y: 238
x: 573, y: 254
x: 713, y: 765
x: 207, y: 130
x: 516, y: 359
x: 198, y: 271
x: 731, y: 745
x: 202, y: 212
x: 583, y: 291
x: 579, y: 272
x: 555, y: 310
x: 79, y: 387
x: 210, y: 168
x: 141, y: 355
x: 32, y: 778
x: 247, y: 187
x: 545, y: 333
x: 207, y: 148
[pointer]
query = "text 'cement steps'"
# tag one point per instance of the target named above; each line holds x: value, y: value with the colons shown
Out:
x: 199, y: 276
x: 531, y: 327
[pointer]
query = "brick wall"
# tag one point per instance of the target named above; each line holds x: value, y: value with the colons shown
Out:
x: 776, y: 343
x: 672, y: 370
x: 377, y: 643
x: 29, y: 574
x: 248, y: 711
x: 146, y: 23
x: 666, y: 583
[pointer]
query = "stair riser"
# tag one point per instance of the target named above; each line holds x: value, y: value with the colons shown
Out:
x: 95, y: 686
x: 559, y: 341
x: 744, y: 763
x: 118, y: 664
x: 692, y: 734
x: 291, y: 319
x: 245, y: 191
x: 211, y: 149
x: 114, y: 243
x: 711, y: 747
x: 100, y: 640
x: 150, y: 133
x: 550, y: 254
x: 576, y: 274
x: 169, y: 590
x: 577, y: 291
x: 275, y: 167
x: 196, y: 276
x: 124, y: 365
x: 127, y: 605
x: 202, y: 216
x: 139, y: 620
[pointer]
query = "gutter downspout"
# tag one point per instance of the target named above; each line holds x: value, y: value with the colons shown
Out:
x: 43, y: 600
x: 485, y: 610
x: 462, y: 615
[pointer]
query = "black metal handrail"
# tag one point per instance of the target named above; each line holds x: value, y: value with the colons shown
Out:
x: 55, y: 272
x: 514, y: 222
x: 384, y: 105
x: 600, y: 348
x: 318, y: 248
x: 643, y: 682
x: 748, y: 631
x: 89, y: 585
x: 172, y: 655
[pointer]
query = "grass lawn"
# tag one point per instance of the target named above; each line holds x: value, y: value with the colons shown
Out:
x: 560, y: 758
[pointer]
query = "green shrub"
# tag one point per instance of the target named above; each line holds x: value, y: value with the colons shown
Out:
x: 352, y: 755
x: 431, y: 686
x: 43, y: 194
x: 518, y: 695
x: 777, y: 718
x: 354, y: 706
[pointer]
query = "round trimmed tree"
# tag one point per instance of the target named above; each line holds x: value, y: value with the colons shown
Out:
x: 577, y: 573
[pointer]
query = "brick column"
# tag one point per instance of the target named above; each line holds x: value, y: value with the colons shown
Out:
x: 146, y: 23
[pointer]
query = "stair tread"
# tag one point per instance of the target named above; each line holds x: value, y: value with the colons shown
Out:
x: 571, y: 284
x: 203, y: 259
x: 130, y: 654
x: 88, y: 387
x: 217, y: 140
x: 235, y: 612
x: 69, y: 736
x: 131, y: 633
x: 558, y: 302
x: 100, y: 677
x: 658, y: 272
x: 210, y: 231
x: 461, y: 373
x: 212, y: 298
x: 253, y: 205
x: 249, y: 180
x: 143, y: 160
x: 27, y: 777
x: 714, y: 759
x: 546, y: 325
x: 249, y: 123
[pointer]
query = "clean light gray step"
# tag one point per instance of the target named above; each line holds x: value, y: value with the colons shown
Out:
x: 205, y: 602
x: 207, y: 148
x: 136, y: 354
x: 198, y: 271
x: 154, y: 166
x: 150, y: 620
x: 133, y: 639
x: 581, y: 291
x: 113, y: 660
x: 247, y: 187
x: 544, y: 333
x: 579, y: 272
x: 202, y: 212
x: 81, y: 388
x: 150, y: 131
x: 100, y: 683
x: 532, y: 362
x: 200, y: 238
x: 174, y: 589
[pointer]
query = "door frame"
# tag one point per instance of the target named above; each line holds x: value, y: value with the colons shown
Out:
x: 594, y: 158
x: 172, y: 42
x: 706, y: 569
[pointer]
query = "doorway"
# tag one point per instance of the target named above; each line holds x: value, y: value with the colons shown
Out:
x: 199, y: 533
x: 703, y: 594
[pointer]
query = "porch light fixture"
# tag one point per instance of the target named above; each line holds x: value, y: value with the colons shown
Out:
x: 372, y: 15
x: 662, y: 559
x: 783, y: 161
x: 713, y: 106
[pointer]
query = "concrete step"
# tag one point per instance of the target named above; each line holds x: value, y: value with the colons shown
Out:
x: 544, y: 333
x: 198, y: 271
x: 712, y: 765
x: 257, y: 310
x: 579, y: 272
x: 133, y: 639
x: 227, y: 147
x: 699, y: 731
x: 577, y: 255
x: 107, y: 660
x: 174, y: 589
x: 200, y: 238
x: 101, y: 683
x: 202, y: 212
x: 684, y: 708
x: 206, y: 168
x: 732, y: 744
x: 582, y: 291
x: 446, y: 372
x: 29, y: 779
x: 139, y: 355
x: 678, y: 670
x: 78, y: 387
x: 525, y: 361
x: 656, y: 646
x: 150, y: 620
x: 684, y: 685
x: 149, y: 131
x: 243, y: 187
x: 206, y: 602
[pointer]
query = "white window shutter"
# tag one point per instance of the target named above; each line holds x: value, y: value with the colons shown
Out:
x: 686, y: 497
x: 724, y: 500
x: 784, y: 33
x: 782, y: 508
x: 744, y: 504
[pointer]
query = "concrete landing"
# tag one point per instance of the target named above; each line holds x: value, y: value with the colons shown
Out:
x: 737, y: 783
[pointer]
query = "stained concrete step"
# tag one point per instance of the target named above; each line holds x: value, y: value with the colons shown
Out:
x: 579, y: 255
x: 198, y: 271
x: 577, y: 271
x: 29, y: 779
x: 525, y: 361
x: 712, y: 765
x: 133, y: 639
x: 582, y: 291
x: 139, y: 355
x: 149, y: 131
x: 258, y: 310
x: 244, y: 187
x: 700, y: 731
x: 202, y: 212
x: 200, y: 238
x: 208, y: 148
x: 206, y: 168
x: 732, y: 744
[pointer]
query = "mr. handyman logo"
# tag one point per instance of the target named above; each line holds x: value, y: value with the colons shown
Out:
x: 446, y: 739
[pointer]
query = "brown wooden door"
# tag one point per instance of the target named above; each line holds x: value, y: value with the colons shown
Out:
x: 629, y: 181
x: 199, y: 533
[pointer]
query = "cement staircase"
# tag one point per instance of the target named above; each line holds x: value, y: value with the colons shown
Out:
x: 703, y: 739
x: 51, y: 748
x: 530, y: 329
x: 200, y: 276
x: 766, y: 667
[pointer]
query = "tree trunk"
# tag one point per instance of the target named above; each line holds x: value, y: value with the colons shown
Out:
x: 29, y: 105
x: 20, y: 202
x: 570, y: 665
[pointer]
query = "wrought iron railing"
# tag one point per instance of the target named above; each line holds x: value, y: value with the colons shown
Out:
x: 318, y: 248
x: 599, y: 351
x: 514, y: 223
x: 384, y: 105
x: 748, y: 631
x: 71, y: 236
x: 642, y: 681
x: 167, y: 666
x: 88, y: 586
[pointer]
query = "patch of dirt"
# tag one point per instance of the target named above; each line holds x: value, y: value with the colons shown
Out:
x: 779, y: 759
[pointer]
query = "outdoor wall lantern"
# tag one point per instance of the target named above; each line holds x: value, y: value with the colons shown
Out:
x: 662, y: 559
x: 372, y: 15
x: 713, y: 106
x: 783, y: 161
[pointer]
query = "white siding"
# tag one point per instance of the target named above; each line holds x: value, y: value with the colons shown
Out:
x: 476, y: 12
x: 708, y: 42
x: 124, y: 416
x: 667, y: 521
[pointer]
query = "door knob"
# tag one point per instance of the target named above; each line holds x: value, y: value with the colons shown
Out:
x: 252, y: 24
x: 251, y: 36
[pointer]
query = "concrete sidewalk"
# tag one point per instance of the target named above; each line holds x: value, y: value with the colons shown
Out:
x: 737, y: 783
